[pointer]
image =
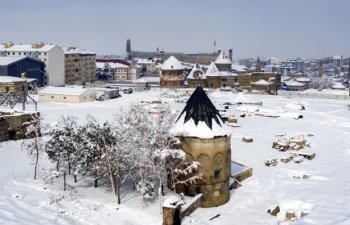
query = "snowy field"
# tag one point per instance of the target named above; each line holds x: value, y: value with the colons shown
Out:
x: 324, y: 195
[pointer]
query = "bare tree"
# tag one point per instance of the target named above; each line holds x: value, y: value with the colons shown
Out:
x: 33, y: 146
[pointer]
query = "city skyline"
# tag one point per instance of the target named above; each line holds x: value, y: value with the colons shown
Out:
x: 309, y: 29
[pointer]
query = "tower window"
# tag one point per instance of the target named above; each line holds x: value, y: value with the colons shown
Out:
x: 217, y: 174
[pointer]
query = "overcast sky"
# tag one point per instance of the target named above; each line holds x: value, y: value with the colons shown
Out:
x: 289, y: 28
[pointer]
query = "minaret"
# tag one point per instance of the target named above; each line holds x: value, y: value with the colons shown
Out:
x: 204, y: 138
x: 128, y: 49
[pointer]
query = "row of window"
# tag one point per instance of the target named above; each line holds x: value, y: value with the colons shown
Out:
x: 25, y: 53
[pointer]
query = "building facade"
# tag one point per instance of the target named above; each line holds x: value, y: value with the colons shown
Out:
x: 51, y: 55
x: 260, y: 81
x: 80, y: 66
x: 67, y: 94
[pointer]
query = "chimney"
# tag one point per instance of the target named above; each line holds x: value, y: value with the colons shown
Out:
x: 38, y: 45
x: 230, y: 54
x: 8, y: 44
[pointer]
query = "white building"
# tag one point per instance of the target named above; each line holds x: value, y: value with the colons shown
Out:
x: 67, y: 94
x: 51, y: 55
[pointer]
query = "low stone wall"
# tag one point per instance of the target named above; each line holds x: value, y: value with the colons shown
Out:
x: 12, y: 127
x: 190, y: 207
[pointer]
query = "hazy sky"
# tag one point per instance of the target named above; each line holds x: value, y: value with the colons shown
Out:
x: 290, y: 28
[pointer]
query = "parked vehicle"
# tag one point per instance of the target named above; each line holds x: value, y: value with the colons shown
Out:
x: 127, y: 90
x: 107, y: 94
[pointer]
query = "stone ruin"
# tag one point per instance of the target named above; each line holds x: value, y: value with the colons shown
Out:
x: 13, y: 126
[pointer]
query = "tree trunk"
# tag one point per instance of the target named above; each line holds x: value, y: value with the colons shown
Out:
x: 117, y: 188
x: 75, y: 178
x: 64, y: 181
x: 36, y: 163
x: 95, y: 182
x: 69, y: 167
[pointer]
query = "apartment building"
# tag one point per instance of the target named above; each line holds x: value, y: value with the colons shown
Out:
x: 80, y: 66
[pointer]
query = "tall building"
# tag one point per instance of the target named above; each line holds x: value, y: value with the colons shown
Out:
x: 80, y: 66
x: 51, y: 55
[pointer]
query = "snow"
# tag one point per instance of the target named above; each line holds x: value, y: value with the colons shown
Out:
x: 66, y: 91
x: 212, y: 71
x: 73, y: 50
x: 338, y: 86
x: 27, y: 48
x: 223, y: 59
x: 112, y: 65
x: 4, y: 61
x: 172, y: 64
x: 261, y: 82
x: 294, y: 83
x: 325, y: 194
x: 197, y: 68
x: 9, y: 79
x: 189, y: 129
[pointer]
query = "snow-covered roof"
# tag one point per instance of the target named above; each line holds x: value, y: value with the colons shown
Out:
x: 8, y: 60
x: 302, y: 79
x: 199, y: 118
x: 227, y: 74
x: 338, y: 86
x: 147, y: 61
x: 101, y: 65
x: 294, y: 83
x: 172, y: 64
x: 239, y: 68
x: 67, y: 91
x: 27, y: 48
x: 9, y: 79
x: 223, y: 59
x: 73, y: 50
x: 197, y: 72
x: 261, y: 82
x: 212, y: 71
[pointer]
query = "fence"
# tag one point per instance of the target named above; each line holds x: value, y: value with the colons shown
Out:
x: 313, y: 95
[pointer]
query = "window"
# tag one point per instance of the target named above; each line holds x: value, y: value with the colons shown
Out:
x: 13, y: 53
x: 7, y: 89
x: 19, y: 53
x: 64, y: 97
x: 24, y: 53
x: 52, y: 96
x: 217, y: 174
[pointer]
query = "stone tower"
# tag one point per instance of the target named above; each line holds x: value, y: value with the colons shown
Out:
x: 172, y: 73
x: 203, y: 136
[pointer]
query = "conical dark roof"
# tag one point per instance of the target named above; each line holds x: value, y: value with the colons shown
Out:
x: 200, y: 108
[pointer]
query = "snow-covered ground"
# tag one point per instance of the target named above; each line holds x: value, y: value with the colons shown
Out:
x: 325, y: 194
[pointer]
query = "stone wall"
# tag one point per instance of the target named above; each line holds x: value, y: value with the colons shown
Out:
x: 12, y: 127
x: 214, y: 156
